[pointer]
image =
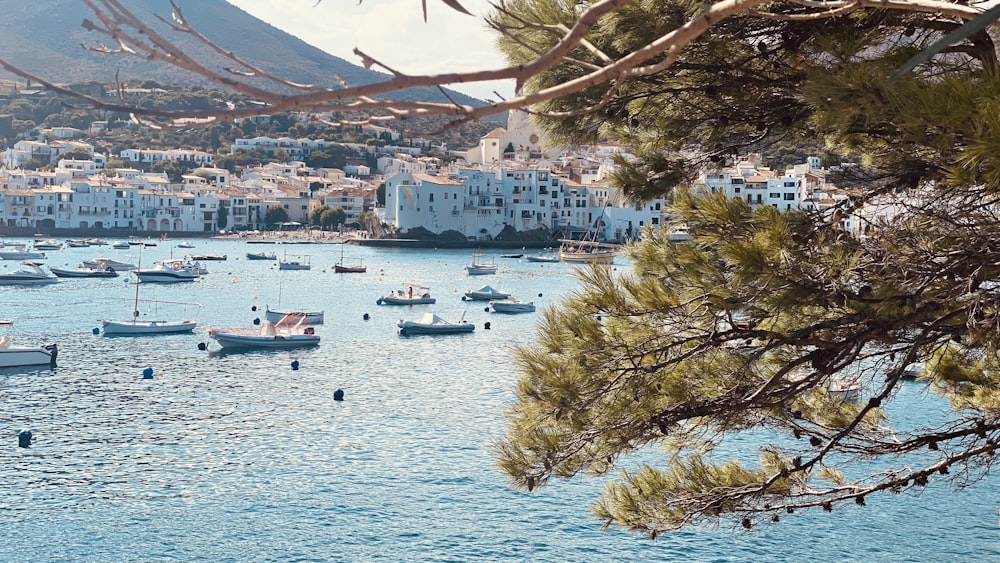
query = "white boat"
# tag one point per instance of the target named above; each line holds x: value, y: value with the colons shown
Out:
x: 546, y: 258
x: 342, y: 267
x: 291, y: 331
x: 105, y: 263
x: 430, y: 323
x: 512, y: 305
x: 261, y: 256
x: 76, y: 243
x: 32, y: 273
x: 481, y: 266
x: 84, y: 272
x: 485, y: 293
x: 135, y: 326
x: 169, y: 271
x: 15, y: 356
x: 300, y: 263
x: 422, y: 296
x: 312, y: 317
x: 20, y: 252
x: 185, y: 244
x: 120, y: 244
x: 47, y: 244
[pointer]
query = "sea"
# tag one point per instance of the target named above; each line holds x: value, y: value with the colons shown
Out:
x: 247, y: 456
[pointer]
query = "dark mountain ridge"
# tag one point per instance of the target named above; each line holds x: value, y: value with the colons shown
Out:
x: 44, y: 37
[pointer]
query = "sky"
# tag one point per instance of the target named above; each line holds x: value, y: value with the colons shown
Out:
x: 394, y: 32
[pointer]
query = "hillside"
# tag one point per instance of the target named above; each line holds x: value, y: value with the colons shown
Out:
x: 45, y: 37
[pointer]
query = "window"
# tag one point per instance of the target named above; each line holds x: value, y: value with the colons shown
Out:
x: 790, y: 197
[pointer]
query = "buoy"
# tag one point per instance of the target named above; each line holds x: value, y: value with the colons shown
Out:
x: 539, y: 294
x: 365, y: 316
x: 295, y: 365
x: 202, y: 346
x: 486, y: 309
x: 255, y: 298
x: 254, y: 308
x: 24, y: 439
x: 463, y: 298
x: 234, y: 280
x: 486, y: 325
x: 147, y: 373
x: 96, y: 331
x: 256, y: 321
x: 378, y: 301
x: 338, y: 395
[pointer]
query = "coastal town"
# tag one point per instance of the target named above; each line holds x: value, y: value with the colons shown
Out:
x: 510, y: 182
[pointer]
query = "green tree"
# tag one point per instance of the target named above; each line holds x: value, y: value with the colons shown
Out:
x: 222, y: 217
x: 746, y: 327
x: 275, y: 214
x: 79, y: 153
x: 316, y: 215
x: 333, y: 217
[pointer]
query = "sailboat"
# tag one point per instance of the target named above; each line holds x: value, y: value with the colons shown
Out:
x: 342, y: 268
x: 275, y: 315
x: 589, y: 249
x: 137, y: 327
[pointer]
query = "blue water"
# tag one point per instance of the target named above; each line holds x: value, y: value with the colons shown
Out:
x: 239, y: 457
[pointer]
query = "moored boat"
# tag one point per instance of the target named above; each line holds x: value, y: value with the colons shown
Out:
x: 407, y: 296
x: 168, y: 271
x: 261, y: 256
x: 291, y: 331
x: 430, y: 323
x: 481, y: 265
x: 312, y: 317
x: 33, y: 273
x: 16, y: 356
x: 485, y: 293
x: 84, y: 272
x: 512, y: 305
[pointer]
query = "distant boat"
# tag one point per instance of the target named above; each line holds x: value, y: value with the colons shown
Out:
x: 105, y: 263
x: 32, y: 273
x: 511, y: 305
x: 546, y: 258
x: 342, y: 268
x: 261, y: 256
x: 207, y: 257
x: 84, y: 272
x: 136, y: 327
x: 511, y: 255
x: 430, y: 323
x: 485, y: 293
x: 20, y: 252
x: 185, y: 244
x: 313, y: 317
x: 407, y: 296
x: 587, y: 251
x: 481, y: 266
x: 169, y: 271
x: 300, y: 263
x: 120, y: 244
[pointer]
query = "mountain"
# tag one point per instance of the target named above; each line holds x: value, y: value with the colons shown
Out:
x: 44, y: 37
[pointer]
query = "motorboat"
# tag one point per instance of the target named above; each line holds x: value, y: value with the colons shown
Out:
x: 430, y: 323
x: 207, y: 257
x: 544, y: 258
x: 47, y: 244
x: 84, y: 272
x: 169, y: 271
x: 33, y: 273
x: 120, y: 244
x: 105, y: 263
x: 422, y: 296
x: 300, y: 263
x: 75, y: 243
x: 20, y: 252
x: 481, y: 266
x: 485, y: 293
x: 261, y: 256
x: 291, y: 331
x: 16, y: 356
x: 312, y: 317
x: 512, y: 306
x: 185, y: 244
x: 511, y: 255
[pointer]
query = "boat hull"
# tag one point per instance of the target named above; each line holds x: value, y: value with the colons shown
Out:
x: 16, y: 356
x: 512, y: 308
x: 601, y: 257
x: 410, y: 328
x: 386, y: 300
x: 480, y: 270
x: 230, y: 340
x: 84, y: 273
x: 124, y: 328
x: 337, y: 268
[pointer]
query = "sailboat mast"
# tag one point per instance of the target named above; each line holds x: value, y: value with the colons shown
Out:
x: 135, y: 307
